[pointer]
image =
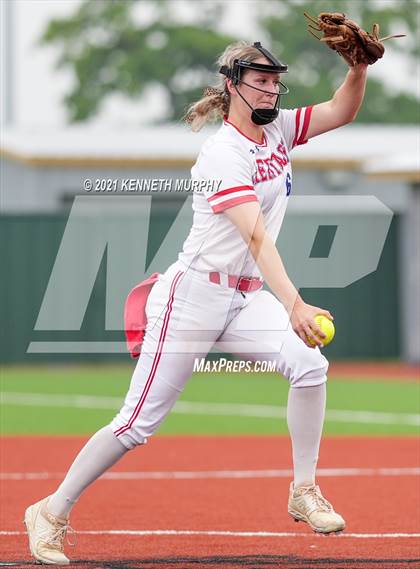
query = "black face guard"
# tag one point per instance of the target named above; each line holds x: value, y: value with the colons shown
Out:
x: 258, y: 116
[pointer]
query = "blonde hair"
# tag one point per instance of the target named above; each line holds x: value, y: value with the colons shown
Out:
x: 215, y: 102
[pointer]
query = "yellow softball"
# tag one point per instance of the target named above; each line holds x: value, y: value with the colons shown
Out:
x: 326, y: 326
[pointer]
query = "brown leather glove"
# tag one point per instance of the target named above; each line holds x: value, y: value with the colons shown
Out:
x: 347, y: 38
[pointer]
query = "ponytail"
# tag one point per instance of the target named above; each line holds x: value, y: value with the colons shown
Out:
x: 216, y: 100
x: 212, y: 106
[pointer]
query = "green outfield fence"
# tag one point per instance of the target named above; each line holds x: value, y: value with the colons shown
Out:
x: 366, y: 312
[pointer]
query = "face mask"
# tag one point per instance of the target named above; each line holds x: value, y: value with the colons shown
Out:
x: 258, y: 116
x: 264, y: 116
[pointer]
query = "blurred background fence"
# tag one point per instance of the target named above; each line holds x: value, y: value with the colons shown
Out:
x: 31, y: 244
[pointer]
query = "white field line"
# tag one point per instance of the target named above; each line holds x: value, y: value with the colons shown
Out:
x: 197, y: 408
x: 230, y: 533
x: 218, y: 474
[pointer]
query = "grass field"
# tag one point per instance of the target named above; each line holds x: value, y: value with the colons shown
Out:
x: 216, y: 500
x: 80, y: 399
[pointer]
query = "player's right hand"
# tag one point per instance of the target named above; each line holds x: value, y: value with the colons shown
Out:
x: 303, y: 323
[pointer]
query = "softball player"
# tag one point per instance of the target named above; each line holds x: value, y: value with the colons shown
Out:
x: 212, y: 293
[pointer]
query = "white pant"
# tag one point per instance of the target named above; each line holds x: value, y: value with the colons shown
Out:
x: 188, y: 315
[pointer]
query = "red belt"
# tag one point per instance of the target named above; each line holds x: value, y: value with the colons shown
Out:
x: 243, y: 284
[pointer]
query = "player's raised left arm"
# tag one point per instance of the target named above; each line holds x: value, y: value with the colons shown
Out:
x: 344, y: 105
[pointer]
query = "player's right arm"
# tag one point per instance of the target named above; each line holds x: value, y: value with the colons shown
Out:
x: 249, y: 220
x: 236, y: 198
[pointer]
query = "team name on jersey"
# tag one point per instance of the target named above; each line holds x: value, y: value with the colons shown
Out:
x: 270, y: 168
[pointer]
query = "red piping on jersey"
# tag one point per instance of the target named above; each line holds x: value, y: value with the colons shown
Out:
x: 297, y: 122
x: 156, y: 359
x: 306, y: 121
x: 262, y: 143
x: 230, y: 191
x: 218, y: 208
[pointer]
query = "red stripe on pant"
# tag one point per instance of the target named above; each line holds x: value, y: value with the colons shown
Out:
x: 156, y: 359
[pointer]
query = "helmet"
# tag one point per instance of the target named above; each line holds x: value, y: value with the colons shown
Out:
x: 258, y: 116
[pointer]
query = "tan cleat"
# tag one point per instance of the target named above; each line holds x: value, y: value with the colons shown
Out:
x: 46, y: 534
x: 307, y: 504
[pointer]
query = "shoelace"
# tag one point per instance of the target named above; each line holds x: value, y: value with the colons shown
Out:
x: 57, y: 539
x: 319, y: 501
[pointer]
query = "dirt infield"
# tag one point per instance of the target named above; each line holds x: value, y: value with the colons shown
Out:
x: 373, y: 370
x: 187, y: 502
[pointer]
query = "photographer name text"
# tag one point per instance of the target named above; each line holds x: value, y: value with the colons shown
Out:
x: 141, y: 185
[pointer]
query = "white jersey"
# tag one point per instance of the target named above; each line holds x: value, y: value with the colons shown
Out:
x: 243, y: 170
